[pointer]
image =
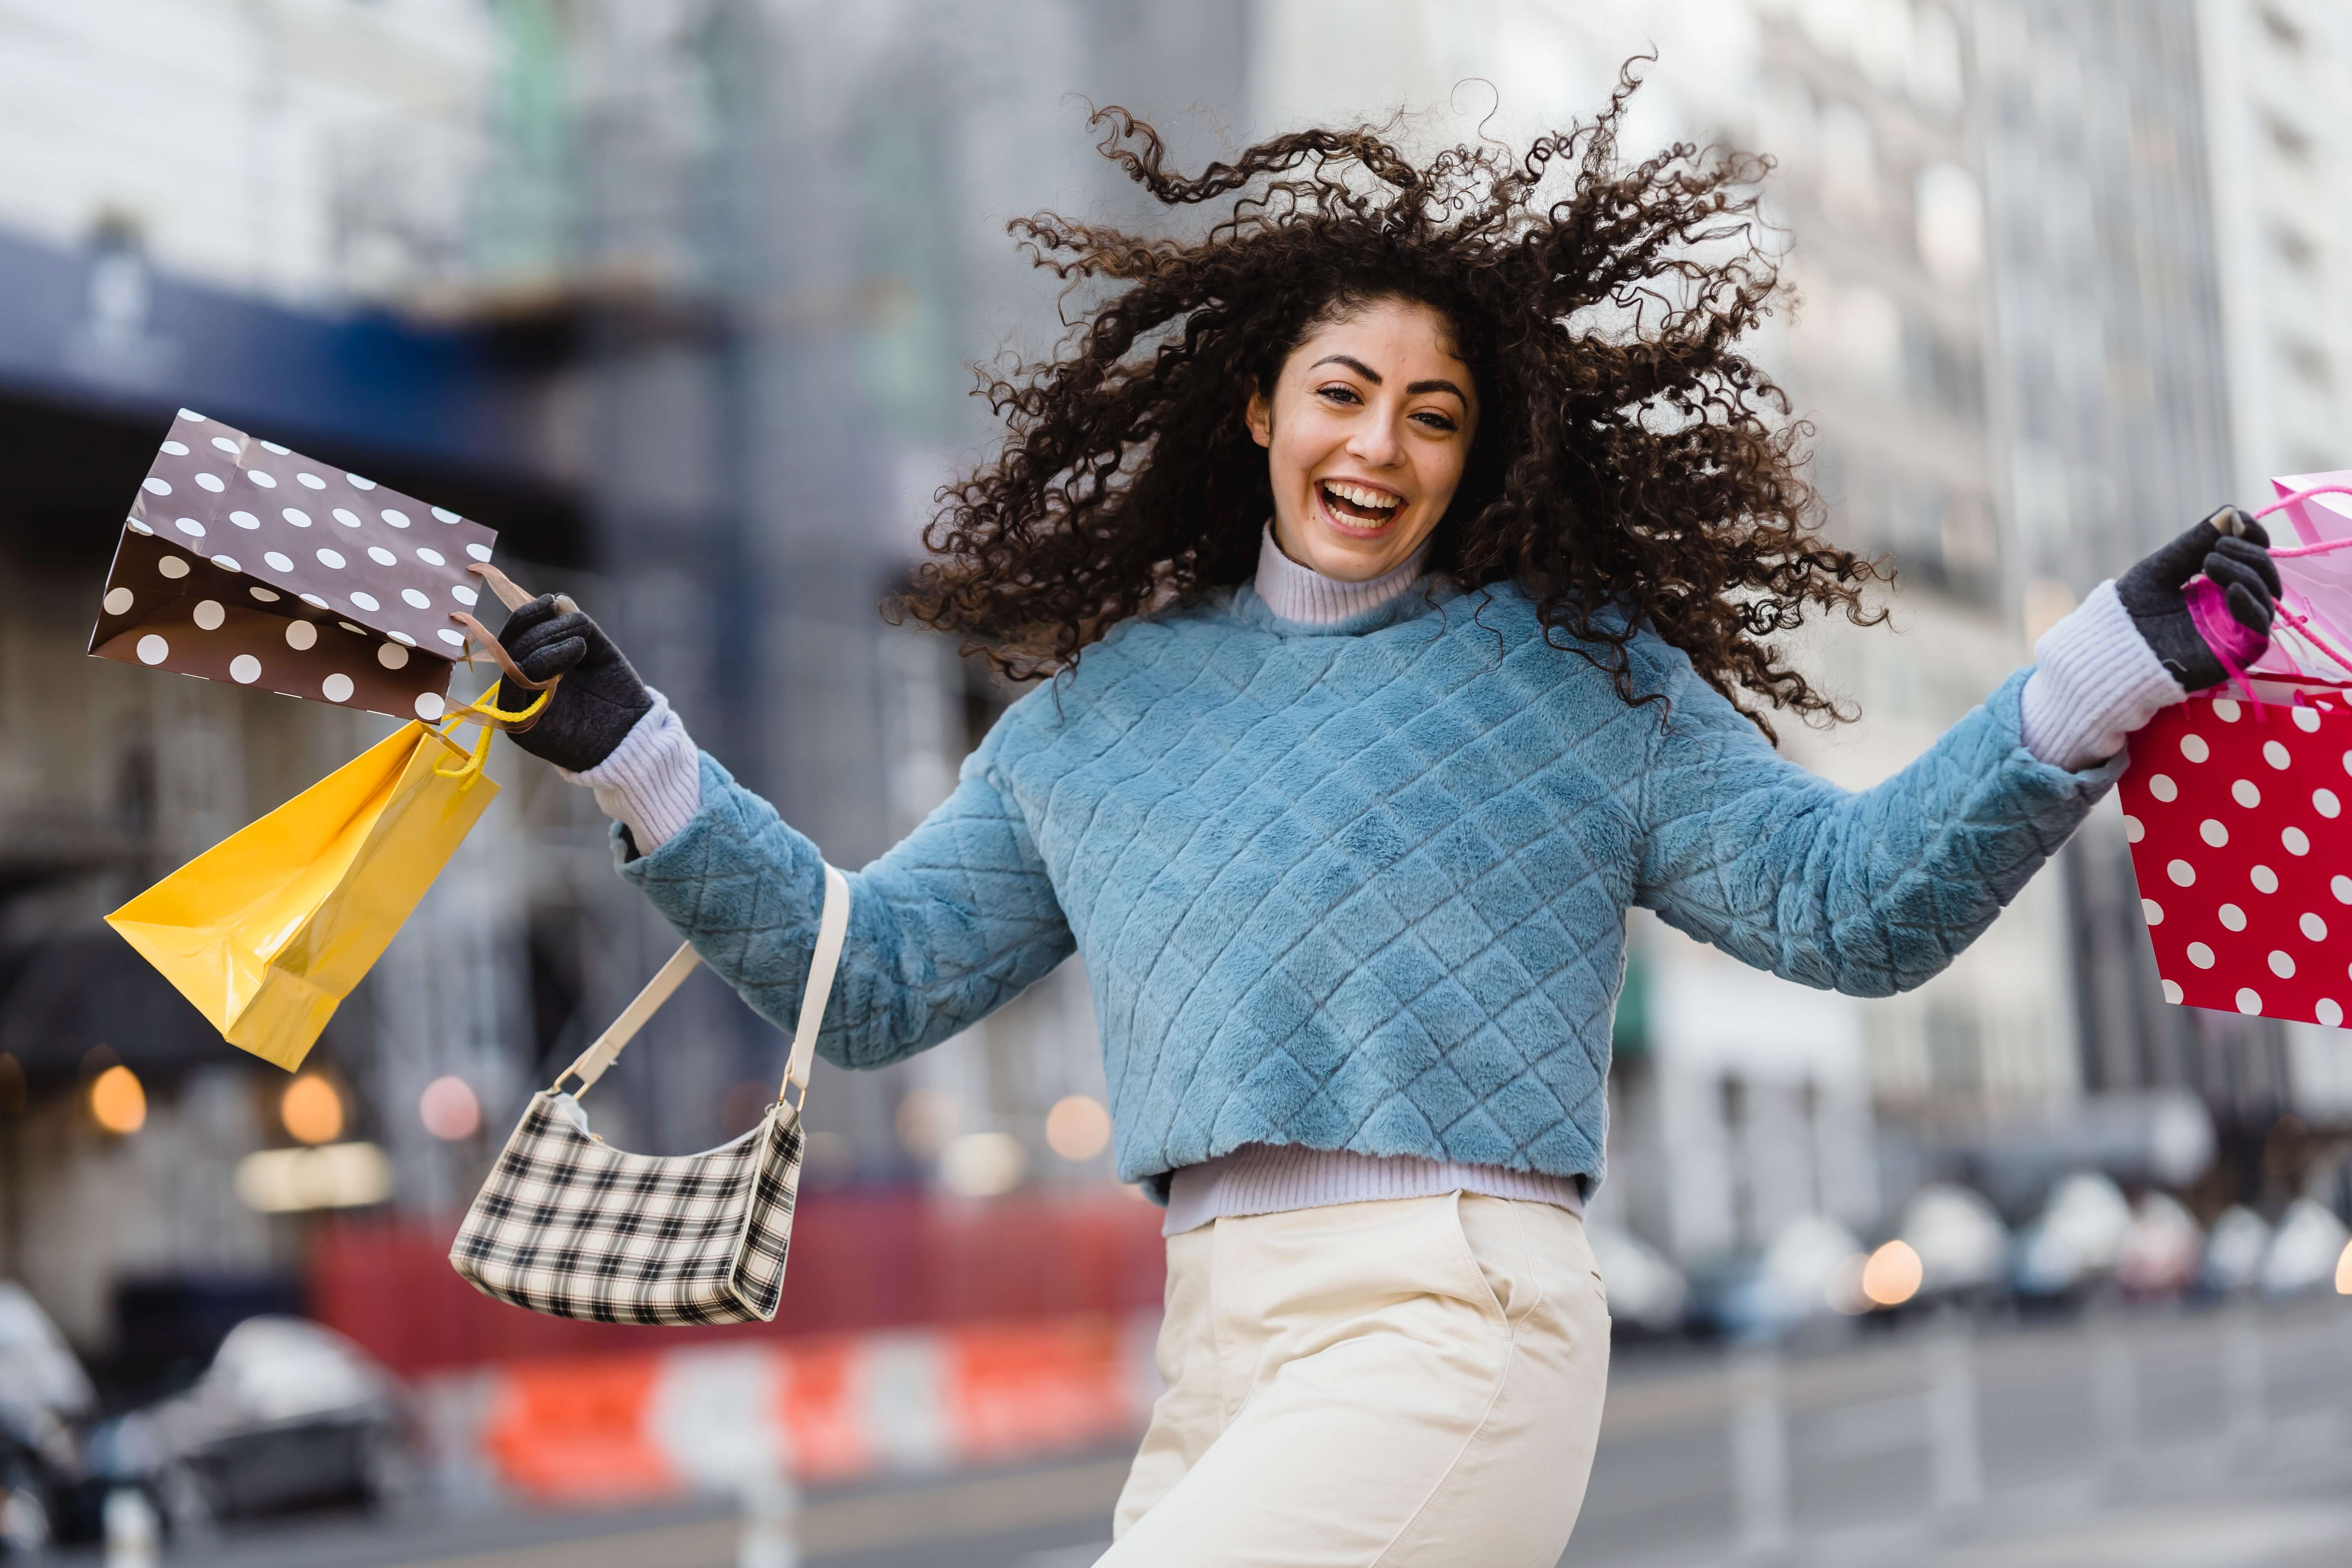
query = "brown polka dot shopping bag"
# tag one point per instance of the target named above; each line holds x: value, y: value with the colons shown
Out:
x: 267, y: 932
x: 2235, y: 801
x: 244, y: 561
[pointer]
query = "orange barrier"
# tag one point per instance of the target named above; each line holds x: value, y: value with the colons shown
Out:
x: 634, y: 1425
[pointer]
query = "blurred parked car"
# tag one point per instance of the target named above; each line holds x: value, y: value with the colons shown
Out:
x: 1647, y: 1294
x: 1963, y: 1247
x: 2161, y: 1249
x: 288, y: 1414
x: 43, y: 1392
x: 2304, y: 1251
x: 2234, y: 1251
x: 1803, y: 1275
x: 2078, y: 1238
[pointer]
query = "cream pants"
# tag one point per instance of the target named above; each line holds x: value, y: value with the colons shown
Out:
x: 1414, y: 1380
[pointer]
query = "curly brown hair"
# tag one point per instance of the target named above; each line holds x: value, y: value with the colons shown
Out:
x: 1631, y: 463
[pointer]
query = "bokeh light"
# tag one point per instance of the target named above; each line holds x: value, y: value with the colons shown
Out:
x: 311, y: 1110
x: 2343, y: 1270
x: 448, y: 1108
x: 927, y: 1120
x: 1893, y: 1274
x: 1077, y: 1127
x: 982, y: 1164
x: 117, y: 1102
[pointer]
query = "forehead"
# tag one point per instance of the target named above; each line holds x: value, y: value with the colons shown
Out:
x: 1399, y: 332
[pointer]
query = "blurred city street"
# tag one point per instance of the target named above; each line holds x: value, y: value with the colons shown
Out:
x: 2202, y: 1466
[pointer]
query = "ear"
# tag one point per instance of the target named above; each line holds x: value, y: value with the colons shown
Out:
x: 1259, y: 417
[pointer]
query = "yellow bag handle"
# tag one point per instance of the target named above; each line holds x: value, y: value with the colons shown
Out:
x: 470, y: 768
x: 485, y: 710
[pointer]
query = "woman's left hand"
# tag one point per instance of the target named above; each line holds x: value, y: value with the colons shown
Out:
x: 2232, y: 549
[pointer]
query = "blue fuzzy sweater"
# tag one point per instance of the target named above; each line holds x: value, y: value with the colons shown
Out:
x: 1363, y: 886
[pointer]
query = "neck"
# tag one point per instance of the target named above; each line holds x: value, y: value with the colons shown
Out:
x: 1299, y: 593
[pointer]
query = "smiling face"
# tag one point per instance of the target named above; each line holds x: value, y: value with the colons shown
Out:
x: 1367, y: 432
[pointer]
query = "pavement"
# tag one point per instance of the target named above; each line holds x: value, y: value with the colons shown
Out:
x: 2172, y: 1440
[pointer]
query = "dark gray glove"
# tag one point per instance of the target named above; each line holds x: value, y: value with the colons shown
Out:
x: 2228, y: 547
x: 601, y: 699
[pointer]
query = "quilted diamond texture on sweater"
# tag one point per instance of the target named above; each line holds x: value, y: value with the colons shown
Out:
x: 1364, y: 887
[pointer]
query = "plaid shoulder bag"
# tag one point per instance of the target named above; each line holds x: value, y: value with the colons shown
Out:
x: 570, y: 1227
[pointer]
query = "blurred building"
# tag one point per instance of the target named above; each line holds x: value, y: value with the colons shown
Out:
x: 677, y: 295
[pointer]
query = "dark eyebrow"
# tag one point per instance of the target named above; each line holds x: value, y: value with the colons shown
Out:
x: 1415, y: 390
x: 1353, y: 363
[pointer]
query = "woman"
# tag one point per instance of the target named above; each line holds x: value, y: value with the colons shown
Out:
x: 1403, y: 554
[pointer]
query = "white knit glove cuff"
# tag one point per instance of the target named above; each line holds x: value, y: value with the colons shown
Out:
x: 2094, y: 681
x: 652, y: 782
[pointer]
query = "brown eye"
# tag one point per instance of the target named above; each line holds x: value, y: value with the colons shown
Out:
x: 1338, y: 394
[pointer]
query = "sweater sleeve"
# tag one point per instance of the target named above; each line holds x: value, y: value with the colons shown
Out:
x: 1867, y: 892
x: 952, y: 923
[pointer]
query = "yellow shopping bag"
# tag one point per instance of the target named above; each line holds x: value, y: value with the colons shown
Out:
x: 269, y: 928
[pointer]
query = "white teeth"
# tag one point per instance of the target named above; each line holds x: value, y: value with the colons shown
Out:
x: 1378, y: 500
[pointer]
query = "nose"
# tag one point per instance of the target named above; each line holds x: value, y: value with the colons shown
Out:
x: 1375, y: 442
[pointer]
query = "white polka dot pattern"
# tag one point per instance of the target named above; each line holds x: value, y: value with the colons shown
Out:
x: 308, y: 534
x: 2234, y: 932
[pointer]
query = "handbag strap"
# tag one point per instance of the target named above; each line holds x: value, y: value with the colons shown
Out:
x: 833, y: 926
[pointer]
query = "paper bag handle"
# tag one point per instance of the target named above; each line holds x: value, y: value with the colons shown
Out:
x: 832, y: 927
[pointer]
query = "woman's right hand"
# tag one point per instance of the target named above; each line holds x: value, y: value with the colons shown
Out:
x: 601, y: 698
x: 2229, y: 548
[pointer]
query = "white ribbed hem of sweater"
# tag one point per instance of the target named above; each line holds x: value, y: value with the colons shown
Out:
x: 652, y: 782
x: 2094, y: 681
x: 1299, y: 593
x: 1270, y: 1178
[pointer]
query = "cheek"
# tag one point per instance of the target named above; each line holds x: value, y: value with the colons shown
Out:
x: 1441, y: 467
x: 1299, y: 444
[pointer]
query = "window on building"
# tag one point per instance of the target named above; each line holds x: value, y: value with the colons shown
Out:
x: 2283, y: 30
x: 2307, y: 359
x: 2298, y: 249
x: 1849, y: 162
x: 2293, y: 142
x: 1948, y: 214
x: 1936, y: 78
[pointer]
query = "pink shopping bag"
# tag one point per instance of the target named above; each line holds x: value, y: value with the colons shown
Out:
x: 2243, y: 853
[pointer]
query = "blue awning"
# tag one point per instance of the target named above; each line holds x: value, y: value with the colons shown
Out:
x: 101, y: 326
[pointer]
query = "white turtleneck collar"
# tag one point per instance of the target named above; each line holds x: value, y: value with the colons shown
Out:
x: 1299, y: 593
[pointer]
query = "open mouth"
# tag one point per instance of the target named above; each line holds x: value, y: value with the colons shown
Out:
x: 1358, y: 504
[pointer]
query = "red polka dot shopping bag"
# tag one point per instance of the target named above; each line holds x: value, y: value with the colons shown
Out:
x: 2235, y: 801
x: 244, y: 561
x: 267, y: 931
x: 2244, y: 854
